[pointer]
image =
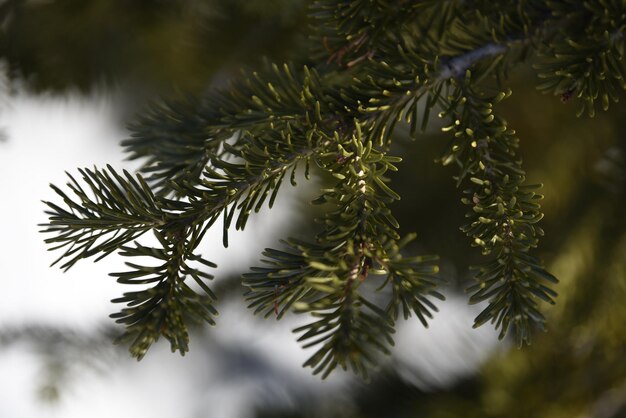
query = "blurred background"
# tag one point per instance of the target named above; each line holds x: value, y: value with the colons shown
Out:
x: 75, y: 72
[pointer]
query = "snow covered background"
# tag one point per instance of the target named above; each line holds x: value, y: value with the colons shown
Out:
x: 233, y: 367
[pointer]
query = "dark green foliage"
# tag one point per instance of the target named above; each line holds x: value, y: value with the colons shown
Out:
x: 503, y: 217
x: 118, y: 210
x: 145, y: 44
x: 178, y: 138
x: 584, y: 60
x: 161, y: 309
x: 172, y: 137
x: 378, y: 65
x: 358, y: 242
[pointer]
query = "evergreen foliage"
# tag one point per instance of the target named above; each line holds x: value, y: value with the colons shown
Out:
x: 74, y: 44
x: 377, y: 64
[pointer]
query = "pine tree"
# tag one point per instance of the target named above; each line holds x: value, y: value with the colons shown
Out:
x: 373, y: 66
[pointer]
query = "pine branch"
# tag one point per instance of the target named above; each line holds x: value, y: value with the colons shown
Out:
x: 116, y: 210
x: 178, y: 138
x: 586, y: 69
x: 457, y: 66
x: 163, y: 308
x: 229, y: 187
x: 503, y: 217
x: 413, y: 280
x: 123, y: 208
x: 349, y: 33
x: 323, y: 278
x: 586, y: 59
x: 347, y: 333
x: 384, y: 62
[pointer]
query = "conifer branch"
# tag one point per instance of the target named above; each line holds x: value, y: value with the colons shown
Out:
x: 323, y: 278
x: 178, y: 138
x: 164, y: 308
x: 384, y: 62
x: 587, y: 61
x: 457, y: 66
x: 116, y: 210
x: 123, y: 208
x: 504, y: 215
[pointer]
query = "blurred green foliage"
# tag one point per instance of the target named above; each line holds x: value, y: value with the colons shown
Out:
x: 56, y: 45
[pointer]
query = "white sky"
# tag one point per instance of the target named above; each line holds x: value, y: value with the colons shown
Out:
x: 50, y: 135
